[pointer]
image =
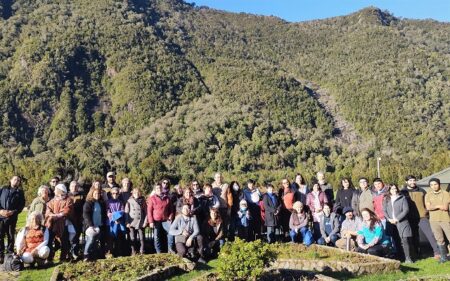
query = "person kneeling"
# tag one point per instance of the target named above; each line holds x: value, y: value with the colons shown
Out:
x: 329, y: 227
x: 371, y: 239
x: 298, y: 225
x: 349, y: 230
x: 32, y: 240
x: 185, y: 229
x: 213, y: 236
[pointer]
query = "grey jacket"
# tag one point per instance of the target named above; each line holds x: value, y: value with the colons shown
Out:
x: 335, y: 225
x: 135, y: 214
x: 401, y: 209
x: 181, y: 223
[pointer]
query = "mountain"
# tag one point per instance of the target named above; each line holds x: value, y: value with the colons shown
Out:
x: 153, y: 88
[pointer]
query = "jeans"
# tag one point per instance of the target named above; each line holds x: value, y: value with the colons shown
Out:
x: 162, y: 228
x: 271, y: 234
x: 333, y: 239
x: 303, y: 234
x: 91, y: 244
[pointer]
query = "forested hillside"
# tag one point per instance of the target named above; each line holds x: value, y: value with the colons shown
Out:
x: 152, y: 88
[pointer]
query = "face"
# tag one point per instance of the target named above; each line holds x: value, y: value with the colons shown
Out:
x: 15, y: 181
x: 213, y: 215
x: 285, y: 183
x: 96, y: 184
x: 179, y: 190
x: 270, y: 189
x: 411, y: 183
x: 365, y: 215
x: 393, y: 190
x: 218, y: 178
x: 187, y: 193
x: 298, y: 179
x: 326, y: 210
x: 349, y: 215
x: 195, y: 185
x: 316, y: 187
x: 136, y: 193
x: 378, y: 185
x: 44, y: 194
x: 73, y: 187
x: 111, y: 179
x: 96, y: 195
x: 299, y: 208
x: 435, y: 186
x: 115, y: 194
x: 53, y: 182
x: 250, y: 185
x: 185, y: 210
x: 320, y: 176
x: 35, y: 222
x: 165, y: 184
x: 208, y: 190
x: 363, y: 184
x: 158, y: 190
x: 126, y: 184
x: 345, y: 184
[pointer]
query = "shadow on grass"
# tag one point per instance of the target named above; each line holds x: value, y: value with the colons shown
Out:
x: 406, y: 269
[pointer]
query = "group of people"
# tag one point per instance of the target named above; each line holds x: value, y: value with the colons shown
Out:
x: 195, y: 221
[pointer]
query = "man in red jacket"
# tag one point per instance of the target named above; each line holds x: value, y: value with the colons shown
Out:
x: 160, y: 215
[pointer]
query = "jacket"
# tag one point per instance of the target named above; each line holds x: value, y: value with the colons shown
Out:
x: 416, y: 202
x: 11, y: 199
x: 335, y: 225
x: 400, y: 209
x: 378, y: 198
x: 181, y: 223
x: 57, y: 206
x: 296, y: 223
x: 159, y: 208
x: 88, y: 209
x: 272, y: 209
x: 343, y: 199
x: 136, y: 214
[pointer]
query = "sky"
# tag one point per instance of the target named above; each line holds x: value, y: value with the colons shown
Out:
x: 303, y: 10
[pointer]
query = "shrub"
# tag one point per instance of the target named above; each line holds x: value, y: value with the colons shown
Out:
x: 241, y: 260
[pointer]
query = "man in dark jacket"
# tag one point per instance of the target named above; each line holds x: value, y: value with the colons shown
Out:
x: 272, y: 207
x: 418, y: 215
x: 12, y: 201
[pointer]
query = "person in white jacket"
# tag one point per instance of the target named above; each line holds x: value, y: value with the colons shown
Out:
x: 32, y: 240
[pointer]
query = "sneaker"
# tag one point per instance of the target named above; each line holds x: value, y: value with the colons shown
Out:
x: 171, y: 252
x: 437, y: 257
x: 408, y: 260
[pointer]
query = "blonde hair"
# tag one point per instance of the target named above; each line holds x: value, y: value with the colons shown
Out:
x: 33, y: 215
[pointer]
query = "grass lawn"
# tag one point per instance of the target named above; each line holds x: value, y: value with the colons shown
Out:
x: 423, y: 268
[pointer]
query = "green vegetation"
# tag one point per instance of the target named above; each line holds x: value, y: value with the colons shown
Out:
x: 240, y: 260
x: 153, y: 88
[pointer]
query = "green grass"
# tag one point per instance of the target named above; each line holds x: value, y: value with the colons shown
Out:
x: 199, y: 270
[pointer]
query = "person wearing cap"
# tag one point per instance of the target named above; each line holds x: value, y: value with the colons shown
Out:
x: 115, y: 211
x: 110, y: 183
x: 32, y: 240
x: 12, y: 201
x: 349, y: 230
x: 418, y: 217
x: 329, y: 227
x: 244, y: 220
x: 437, y: 202
x: 253, y: 196
x: 58, y: 211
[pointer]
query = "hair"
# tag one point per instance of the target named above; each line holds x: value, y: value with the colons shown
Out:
x: 296, y: 203
x: 410, y: 177
x: 327, y: 204
x: 90, y: 195
x: 377, y: 180
x: 436, y: 180
x: 252, y: 181
x: 269, y: 185
x: 218, y: 216
x: 351, y: 186
x: 387, y: 197
x: 187, y: 189
x: 314, y: 183
x: 41, y: 189
x: 192, y: 183
x: 363, y: 178
x: 56, y: 178
x: 373, y: 218
x: 131, y: 183
x: 303, y: 178
x: 37, y: 215
x: 207, y: 185
x: 289, y: 183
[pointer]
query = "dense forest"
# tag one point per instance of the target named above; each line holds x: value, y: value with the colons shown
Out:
x: 153, y: 88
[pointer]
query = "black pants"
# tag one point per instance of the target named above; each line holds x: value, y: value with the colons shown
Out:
x: 133, y: 238
x: 376, y: 250
x: 197, y: 244
x: 424, y: 225
x: 8, y: 228
x: 55, y: 244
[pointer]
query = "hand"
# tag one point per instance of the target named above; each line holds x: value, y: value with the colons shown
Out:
x: 117, y: 222
x: 34, y: 252
x: 185, y: 233
x: 3, y: 213
x: 189, y: 242
x: 318, y: 210
x: 327, y: 239
x: 152, y: 225
x: 128, y: 225
x: 391, y: 221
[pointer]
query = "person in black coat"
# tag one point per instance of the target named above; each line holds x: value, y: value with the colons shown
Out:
x: 95, y: 223
x: 12, y: 201
x: 344, y: 196
x: 272, y: 209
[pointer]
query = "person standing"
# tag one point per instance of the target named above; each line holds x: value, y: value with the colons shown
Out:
x: 110, y: 183
x: 396, y: 208
x: 344, y: 196
x: 326, y: 187
x: 223, y: 192
x: 418, y: 216
x: 253, y: 196
x: 39, y: 203
x: 136, y: 220
x: 362, y: 198
x: 272, y: 208
x: 437, y: 202
x: 12, y: 201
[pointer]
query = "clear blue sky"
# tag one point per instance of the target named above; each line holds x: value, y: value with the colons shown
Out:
x: 301, y: 10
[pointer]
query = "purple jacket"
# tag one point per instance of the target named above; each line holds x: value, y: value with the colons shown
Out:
x: 114, y: 205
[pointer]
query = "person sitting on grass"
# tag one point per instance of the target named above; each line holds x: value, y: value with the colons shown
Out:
x: 349, y: 230
x: 371, y: 239
x: 32, y: 240
x: 186, y: 230
x: 212, y: 233
x: 298, y: 225
x: 329, y: 227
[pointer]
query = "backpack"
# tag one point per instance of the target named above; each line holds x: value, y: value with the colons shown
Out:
x: 12, y: 263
